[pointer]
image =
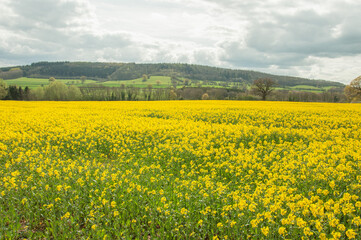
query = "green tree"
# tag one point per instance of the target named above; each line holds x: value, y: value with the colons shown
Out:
x: 74, y: 93
x: 56, y: 91
x: 132, y: 93
x: 353, y: 90
x: 20, y: 94
x: 51, y: 79
x: 26, y: 93
x: 122, y: 92
x: 82, y: 79
x: 174, y: 81
x: 13, y: 73
x: 159, y: 94
x: 186, y: 81
x: 13, y: 93
x: 37, y: 93
x: 3, y: 89
x: 149, y: 91
x: 263, y: 87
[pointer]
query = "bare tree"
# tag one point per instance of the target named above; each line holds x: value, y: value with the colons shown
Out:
x: 205, y: 96
x: 353, y: 90
x: 172, y: 95
x: 263, y: 87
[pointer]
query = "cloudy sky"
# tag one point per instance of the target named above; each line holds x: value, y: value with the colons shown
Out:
x: 307, y: 38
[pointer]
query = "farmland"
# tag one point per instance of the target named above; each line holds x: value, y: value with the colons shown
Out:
x: 155, y: 81
x: 180, y: 170
x: 32, y: 83
x: 39, y: 82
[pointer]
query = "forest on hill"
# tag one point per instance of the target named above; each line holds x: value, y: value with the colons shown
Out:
x: 128, y: 71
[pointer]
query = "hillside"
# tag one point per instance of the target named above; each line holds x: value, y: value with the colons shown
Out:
x: 127, y: 71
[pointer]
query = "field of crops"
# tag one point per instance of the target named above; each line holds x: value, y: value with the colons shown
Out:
x: 180, y: 170
x: 33, y: 83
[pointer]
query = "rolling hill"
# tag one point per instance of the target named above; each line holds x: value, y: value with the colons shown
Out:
x: 103, y: 72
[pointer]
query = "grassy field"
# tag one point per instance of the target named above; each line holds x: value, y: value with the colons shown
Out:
x: 155, y: 81
x: 180, y: 170
x: 39, y: 82
x: 305, y: 88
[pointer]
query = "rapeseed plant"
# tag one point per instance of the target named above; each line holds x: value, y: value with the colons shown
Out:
x: 180, y: 170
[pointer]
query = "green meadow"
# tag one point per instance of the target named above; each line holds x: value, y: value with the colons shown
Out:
x: 155, y: 81
x: 39, y: 82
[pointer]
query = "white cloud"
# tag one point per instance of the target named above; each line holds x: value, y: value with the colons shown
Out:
x: 316, y: 39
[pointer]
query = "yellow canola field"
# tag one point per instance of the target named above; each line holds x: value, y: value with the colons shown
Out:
x: 180, y: 170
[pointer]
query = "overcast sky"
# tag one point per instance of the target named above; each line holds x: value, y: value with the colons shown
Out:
x: 307, y: 38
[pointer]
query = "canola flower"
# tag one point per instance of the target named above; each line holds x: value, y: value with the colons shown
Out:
x: 180, y: 170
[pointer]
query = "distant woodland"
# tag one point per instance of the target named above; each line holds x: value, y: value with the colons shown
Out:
x: 187, y: 81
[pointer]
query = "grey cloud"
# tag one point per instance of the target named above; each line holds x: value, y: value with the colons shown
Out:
x: 288, y: 39
x: 237, y: 55
x: 304, y: 32
x: 46, y: 13
x: 91, y: 41
x: 203, y: 57
x: 258, y: 34
x: 164, y: 54
x: 25, y: 56
x: 54, y: 30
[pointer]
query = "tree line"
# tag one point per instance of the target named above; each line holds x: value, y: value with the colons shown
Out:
x: 262, y: 89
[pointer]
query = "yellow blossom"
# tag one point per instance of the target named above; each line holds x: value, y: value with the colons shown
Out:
x: 351, y: 234
x: 265, y: 230
x: 282, y: 231
x: 65, y: 216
